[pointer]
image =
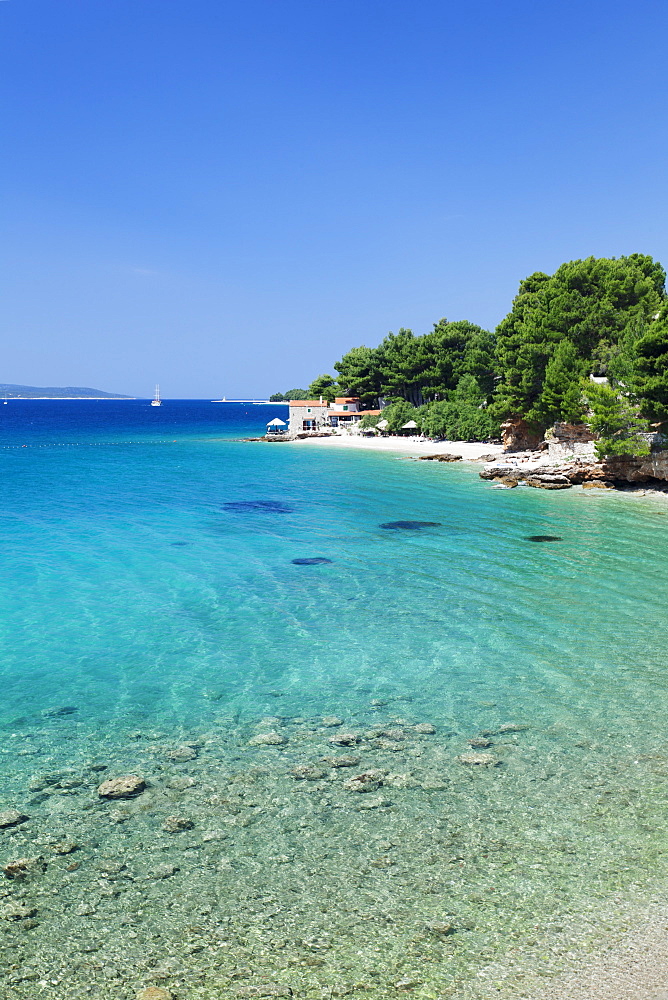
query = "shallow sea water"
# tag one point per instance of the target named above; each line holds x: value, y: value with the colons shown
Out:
x: 147, y: 628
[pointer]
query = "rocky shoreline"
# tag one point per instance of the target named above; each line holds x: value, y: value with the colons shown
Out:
x: 535, y: 469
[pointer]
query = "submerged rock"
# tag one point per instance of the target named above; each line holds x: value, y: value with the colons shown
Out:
x: 543, y: 538
x: 331, y: 721
x: 268, y: 740
x: 479, y: 742
x: 126, y: 787
x: 408, y: 983
x: 55, y: 713
x: 369, y: 781
x: 110, y: 867
x: 64, y: 847
x: 18, y: 911
x: 155, y: 993
x: 177, y: 824
x: 477, y: 759
x: 426, y: 728
x: 394, y: 734
x: 344, y: 760
x: 23, y: 867
x: 308, y: 772
x: 546, y: 481
x: 182, y: 754
x: 11, y: 817
x: 316, y: 561
x: 441, y: 929
x: 409, y: 525
x: 391, y: 745
x: 161, y: 872
x: 345, y: 740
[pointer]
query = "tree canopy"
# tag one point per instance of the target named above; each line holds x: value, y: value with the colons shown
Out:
x: 325, y: 386
x: 598, y: 307
x: 606, y: 317
x: 419, y: 368
x: 285, y: 397
x: 650, y: 377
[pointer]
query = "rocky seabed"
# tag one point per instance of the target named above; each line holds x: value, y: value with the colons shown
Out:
x: 369, y: 855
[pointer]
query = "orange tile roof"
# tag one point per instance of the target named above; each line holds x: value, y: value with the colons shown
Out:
x: 347, y: 399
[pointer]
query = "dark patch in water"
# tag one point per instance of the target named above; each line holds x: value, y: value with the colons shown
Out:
x: 179, y: 543
x: 268, y: 506
x: 16, y: 723
x: 543, y: 538
x: 409, y: 525
x: 55, y: 713
x: 311, y: 562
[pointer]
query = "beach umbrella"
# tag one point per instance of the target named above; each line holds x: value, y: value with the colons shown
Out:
x: 382, y: 424
x: 276, y: 422
x: 410, y: 426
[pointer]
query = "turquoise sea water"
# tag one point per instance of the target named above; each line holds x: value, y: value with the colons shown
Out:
x: 140, y: 615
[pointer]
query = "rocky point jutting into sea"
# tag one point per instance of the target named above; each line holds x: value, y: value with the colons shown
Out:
x: 567, y: 458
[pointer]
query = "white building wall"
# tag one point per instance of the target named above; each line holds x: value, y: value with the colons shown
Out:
x: 298, y: 414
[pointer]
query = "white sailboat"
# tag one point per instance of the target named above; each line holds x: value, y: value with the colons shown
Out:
x: 156, y: 401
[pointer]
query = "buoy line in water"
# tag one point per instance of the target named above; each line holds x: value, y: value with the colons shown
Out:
x: 79, y: 444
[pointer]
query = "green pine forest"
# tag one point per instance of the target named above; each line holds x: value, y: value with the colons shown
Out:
x: 601, y: 317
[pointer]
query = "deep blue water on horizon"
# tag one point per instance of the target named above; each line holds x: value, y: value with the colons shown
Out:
x: 70, y: 421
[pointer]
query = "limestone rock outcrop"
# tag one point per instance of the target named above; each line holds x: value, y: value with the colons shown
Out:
x: 649, y: 469
x: 517, y: 435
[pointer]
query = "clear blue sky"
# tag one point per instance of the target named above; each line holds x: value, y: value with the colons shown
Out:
x: 226, y: 196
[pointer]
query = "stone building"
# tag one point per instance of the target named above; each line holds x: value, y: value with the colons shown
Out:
x: 308, y: 415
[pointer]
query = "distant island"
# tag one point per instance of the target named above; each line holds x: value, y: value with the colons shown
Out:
x: 9, y: 391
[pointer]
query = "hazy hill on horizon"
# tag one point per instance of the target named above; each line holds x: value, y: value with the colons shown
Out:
x: 11, y: 391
